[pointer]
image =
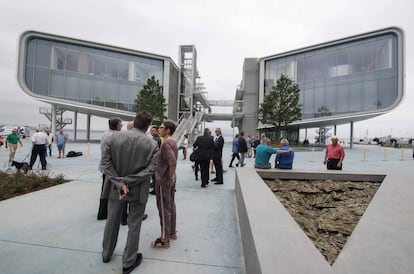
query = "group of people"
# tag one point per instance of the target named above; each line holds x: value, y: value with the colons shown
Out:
x: 41, y: 144
x: 130, y: 159
x: 128, y: 162
x: 334, y: 155
x: 207, y: 148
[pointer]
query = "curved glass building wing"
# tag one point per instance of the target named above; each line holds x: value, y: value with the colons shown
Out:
x: 68, y: 71
x: 353, y: 76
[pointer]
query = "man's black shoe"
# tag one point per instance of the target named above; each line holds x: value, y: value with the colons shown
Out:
x: 124, y: 222
x: 145, y: 217
x: 203, y: 185
x: 214, y: 180
x: 106, y: 260
x: 218, y: 183
x: 101, y: 218
x: 138, y: 260
x: 152, y: 192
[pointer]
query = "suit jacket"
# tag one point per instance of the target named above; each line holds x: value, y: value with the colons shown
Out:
x: 205, y: 146
x: 133, y: 155
x: 218, y: 150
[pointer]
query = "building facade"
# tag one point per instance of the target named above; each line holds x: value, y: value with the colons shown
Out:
x: 92, y: 78
x: 341, y: 81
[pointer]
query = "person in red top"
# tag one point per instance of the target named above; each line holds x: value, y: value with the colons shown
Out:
x: 334, y: 155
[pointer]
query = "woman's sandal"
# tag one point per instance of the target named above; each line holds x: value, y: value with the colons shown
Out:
x: 173, y: 236
x: 158, y: 243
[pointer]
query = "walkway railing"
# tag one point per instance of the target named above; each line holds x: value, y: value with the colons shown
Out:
x: 186, y: 125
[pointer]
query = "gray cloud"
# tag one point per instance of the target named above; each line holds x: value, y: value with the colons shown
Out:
x: 224, y: 32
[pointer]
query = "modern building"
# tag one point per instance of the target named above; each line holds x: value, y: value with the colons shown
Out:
x: 342, y: 81
x: 92, y: 78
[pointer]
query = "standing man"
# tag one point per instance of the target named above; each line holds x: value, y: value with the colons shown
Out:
x: 242, y: 149
x: 205, y: 146
x: 156, y: 136
x: 235, y: 151
x: 128, y: 161
x: 165, y: 185
x: 50, y: 142
x: 39, y: 141
x: 217, y: 155
x: 61, y: 142
x: 334, y: 155
x: 11, y: 142
x: 115, y: 124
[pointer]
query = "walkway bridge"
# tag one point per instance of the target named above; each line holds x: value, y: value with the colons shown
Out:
x: 187, y: 123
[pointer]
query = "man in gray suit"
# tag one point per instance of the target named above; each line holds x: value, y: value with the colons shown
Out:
x: 129, y: 159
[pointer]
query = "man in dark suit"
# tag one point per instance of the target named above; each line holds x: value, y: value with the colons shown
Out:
x: 217, y: 155
x: 128, y: 161
x: 205, y: 146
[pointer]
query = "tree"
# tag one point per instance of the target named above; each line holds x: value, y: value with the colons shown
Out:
x: 281, y: 106
x: 151, y: 99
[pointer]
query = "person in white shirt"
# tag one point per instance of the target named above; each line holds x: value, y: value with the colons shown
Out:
x: 39, y: 140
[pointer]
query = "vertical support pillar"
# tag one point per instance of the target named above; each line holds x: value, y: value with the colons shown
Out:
x: 75, y: 126
x: 88, y: 127
x: 334, y: 129
x: 351, y: 137
x: 53, y: 120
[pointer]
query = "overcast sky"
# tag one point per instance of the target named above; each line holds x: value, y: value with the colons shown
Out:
x: 224, y: 33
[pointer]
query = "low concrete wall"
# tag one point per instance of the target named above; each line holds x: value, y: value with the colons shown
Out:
x: 274, y: 243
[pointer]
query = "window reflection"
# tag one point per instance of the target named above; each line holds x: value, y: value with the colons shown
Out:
x: 86, y: 74
x: 352, y: 77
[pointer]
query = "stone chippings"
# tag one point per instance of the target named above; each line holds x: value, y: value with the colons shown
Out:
x: 326, y: 210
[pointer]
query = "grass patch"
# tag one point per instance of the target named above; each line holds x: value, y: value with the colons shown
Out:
x: 15, y: 184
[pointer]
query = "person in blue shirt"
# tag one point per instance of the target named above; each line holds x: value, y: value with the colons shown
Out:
x: 284, y: 156
x: 61, y: 139
x: 263, y: 153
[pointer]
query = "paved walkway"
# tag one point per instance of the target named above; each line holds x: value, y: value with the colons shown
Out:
x: 55, y: 230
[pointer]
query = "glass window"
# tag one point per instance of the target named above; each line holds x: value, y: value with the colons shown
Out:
x: 369, y: 62
x: 112, y: 90
x: 58, y: 58
x: 43, y: 50
x: 98, y: 92
x: 343, y: 98
x: 85, y: 63
x: 124, y: 92
x: 111, y: 68
x: 99, y: 65
x: 355, y: 58
x: 369, y: 95
x: 57, y: 83
x: 387, y: 91
x: 355, y: 96
x: 30, y: 52
x: 29, y: 77
x: 72, y: 86
x: 300, y: 69
x: 41, y: 81
x: 331, y: 96
x: 330, y: 63
x: 72, y: 59
x: 85, y: 88
x: 123, y: 67
x: 308, y: 105
x: 319, y: 100
x: 308, y: 68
